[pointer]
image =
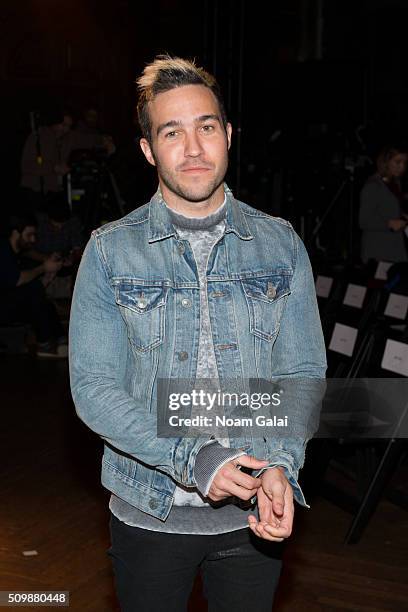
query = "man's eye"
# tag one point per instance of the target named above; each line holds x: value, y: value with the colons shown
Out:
x: 171, y: 134
x: 207, y: 128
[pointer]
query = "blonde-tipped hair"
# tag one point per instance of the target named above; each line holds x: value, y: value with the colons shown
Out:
x: 166, y: 73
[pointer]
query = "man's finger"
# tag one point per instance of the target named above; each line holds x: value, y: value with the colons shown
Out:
x: 282, y: 531
x: 265, y: 508
x: 259, y: 530
x: 227, y: 487
x: 276, y: 493
x: 219, y: 494
x: 250, y: 462
x: 266, y: 515
x: 241, y: 479
x: 244, y: 494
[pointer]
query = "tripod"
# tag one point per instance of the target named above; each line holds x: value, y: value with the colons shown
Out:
x: 93, y: 191
x: 347, y: 186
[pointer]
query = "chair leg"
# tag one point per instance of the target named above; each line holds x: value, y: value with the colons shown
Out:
x: 373, y: 494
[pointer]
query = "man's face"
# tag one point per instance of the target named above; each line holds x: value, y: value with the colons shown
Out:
x: 63, y: 128
x: 56, y: 226
x: 91, y: 117
x: 27, y: 238
x: 397, y: 165
x: 189, y: 145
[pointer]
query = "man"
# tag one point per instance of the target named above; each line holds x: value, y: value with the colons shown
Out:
x: 58, y: 232
x: 23, y: 290
x: 89, y: 123
x: 45, y: 155
x: 88, y: 133
x: 193, y: 285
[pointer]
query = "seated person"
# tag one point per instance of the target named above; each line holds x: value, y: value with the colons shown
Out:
x: 59, y: 234
x: 381, y: 216
x: 23, y: 291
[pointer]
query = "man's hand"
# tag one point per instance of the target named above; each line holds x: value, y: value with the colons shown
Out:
x: 108, y: 144
x: 397, y: 224
x: 230, y: 481
x: 56, y: 256
x: 47, y: 278
x: 276, y: 508
x: 52, y: 264
x: 61, y: 169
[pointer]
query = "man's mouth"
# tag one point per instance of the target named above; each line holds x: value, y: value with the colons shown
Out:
x: 195, y: 169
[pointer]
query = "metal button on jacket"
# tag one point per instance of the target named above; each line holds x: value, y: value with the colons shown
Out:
x: 182, y: 356
x: 181, y: 248
x: 153, y: 504
x: 142, y: 302
x: 186, y: 302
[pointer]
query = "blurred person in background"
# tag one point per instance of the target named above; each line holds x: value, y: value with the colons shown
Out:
x: 89, y: 123
x: 88, y: 134
x: 23, y: 290
x: 382, y: 217
x: 58, y: 232
x: 45, y: 155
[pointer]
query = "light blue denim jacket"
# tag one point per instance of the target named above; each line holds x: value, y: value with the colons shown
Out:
x: 135, y: 318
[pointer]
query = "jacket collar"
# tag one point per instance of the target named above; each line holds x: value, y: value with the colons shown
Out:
x: 161, y: 227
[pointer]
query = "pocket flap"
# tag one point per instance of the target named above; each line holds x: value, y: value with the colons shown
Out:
x: 269, y: 288
x: 140, y: 298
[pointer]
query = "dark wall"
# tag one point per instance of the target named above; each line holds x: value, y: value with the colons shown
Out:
x: 71, y: 51
x: 265, y: 55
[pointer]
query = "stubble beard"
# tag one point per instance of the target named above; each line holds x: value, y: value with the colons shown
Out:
x: 201, y: 193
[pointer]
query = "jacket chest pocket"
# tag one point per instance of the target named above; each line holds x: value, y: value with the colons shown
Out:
x: 266, y: 298
x: 143, y: 309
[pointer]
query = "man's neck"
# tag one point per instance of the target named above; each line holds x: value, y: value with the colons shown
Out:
x: 193, y: 209
x: 197, y: 223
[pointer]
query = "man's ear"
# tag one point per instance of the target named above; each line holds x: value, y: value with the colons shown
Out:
x: 147, y: 151
x: 229, y: 134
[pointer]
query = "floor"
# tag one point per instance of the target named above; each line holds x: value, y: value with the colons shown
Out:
x: 52, y: 504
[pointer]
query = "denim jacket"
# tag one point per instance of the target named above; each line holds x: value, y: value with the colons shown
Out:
x: 135, y: 319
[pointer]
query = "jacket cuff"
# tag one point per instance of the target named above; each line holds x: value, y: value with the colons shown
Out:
x: 210, y: 458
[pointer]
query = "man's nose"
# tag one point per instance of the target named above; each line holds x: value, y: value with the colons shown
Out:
x: 192, y: 145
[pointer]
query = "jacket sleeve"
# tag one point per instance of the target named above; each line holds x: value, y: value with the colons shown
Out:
x: 98, y: 352
x: 299, y: 363
x: 209, y: 460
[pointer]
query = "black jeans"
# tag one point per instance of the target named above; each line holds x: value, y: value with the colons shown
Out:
x: 28, y: 303
x: 154, y: 572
